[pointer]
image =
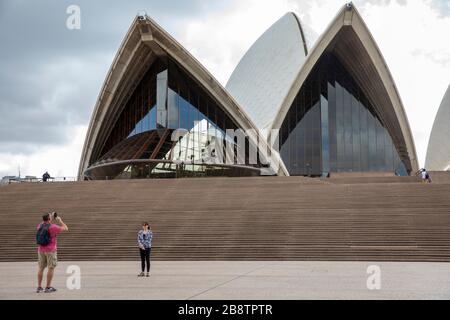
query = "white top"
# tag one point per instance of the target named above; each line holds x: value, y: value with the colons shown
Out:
x: 424, y: 174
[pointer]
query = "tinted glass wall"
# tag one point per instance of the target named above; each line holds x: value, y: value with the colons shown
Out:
x: 332, y: 127
x: 139, y: 113
x: 168, y: 98
x: 190, y: 108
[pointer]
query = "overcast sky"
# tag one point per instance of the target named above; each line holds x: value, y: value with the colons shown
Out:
x: 50, y: 76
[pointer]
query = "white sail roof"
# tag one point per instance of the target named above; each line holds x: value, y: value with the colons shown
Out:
x: 438, y: 153
x: 266, y: 72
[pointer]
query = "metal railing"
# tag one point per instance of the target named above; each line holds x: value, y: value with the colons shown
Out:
x: 13, y: 180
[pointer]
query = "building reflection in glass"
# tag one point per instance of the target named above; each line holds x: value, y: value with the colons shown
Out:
x: 332, y: 127
x: 168, y: 101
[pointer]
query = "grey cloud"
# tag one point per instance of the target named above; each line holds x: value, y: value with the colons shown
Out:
x: 442, y: 6
x: 442, y: 58
x: 50, y: 76
x: 379, y: 2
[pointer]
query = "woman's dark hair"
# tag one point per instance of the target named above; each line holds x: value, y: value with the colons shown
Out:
x: 46, y: 217
x: 145, y: 224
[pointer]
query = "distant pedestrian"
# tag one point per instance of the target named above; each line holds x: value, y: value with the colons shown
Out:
x: 424, y: 175
x: 427, y: 177
x: 145, y: 237
x: 45, y: 177
x: 47, y: 250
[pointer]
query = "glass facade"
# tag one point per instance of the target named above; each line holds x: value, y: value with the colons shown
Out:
x: 166, y: 99
x: 331, y: 126
x: 174, y: 170
x: 139, y: 113
x: 204, y: 122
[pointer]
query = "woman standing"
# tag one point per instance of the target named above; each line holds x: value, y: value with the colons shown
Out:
x: 145, y: 245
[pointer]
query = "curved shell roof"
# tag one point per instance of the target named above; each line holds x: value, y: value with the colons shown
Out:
x: 265, y: 73
x: 271, y: 73
x: 438, y: 153
x: 144, y: 41
x: 263, y: 85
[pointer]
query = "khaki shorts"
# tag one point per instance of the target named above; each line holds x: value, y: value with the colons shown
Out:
x: 47, y: 259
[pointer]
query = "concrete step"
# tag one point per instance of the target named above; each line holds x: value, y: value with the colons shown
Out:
x: 261, y: 218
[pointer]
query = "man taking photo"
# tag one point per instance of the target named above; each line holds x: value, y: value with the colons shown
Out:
x: 47, y: 248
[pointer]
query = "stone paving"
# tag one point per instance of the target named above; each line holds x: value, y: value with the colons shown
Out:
x: 185, y: 280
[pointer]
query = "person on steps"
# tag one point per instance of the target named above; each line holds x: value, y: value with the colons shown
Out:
x: 424, y: 175
x: 427, y: 176
x: 45, y: 177
x: 145, y: 237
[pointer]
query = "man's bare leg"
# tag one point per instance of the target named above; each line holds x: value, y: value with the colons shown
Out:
x: 50, y: 272
x: 40, y: 276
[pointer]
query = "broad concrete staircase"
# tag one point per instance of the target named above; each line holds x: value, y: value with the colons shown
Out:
x: 259, y: 218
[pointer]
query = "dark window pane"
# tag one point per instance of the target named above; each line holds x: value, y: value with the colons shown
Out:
x: 348, y: 139
x: 332, y: 125
x: 372, y: 142
x: 356, y: 135
x: 364, y: 135
x: 389, y: 162
x: 380, y: 146
x: 325, y: 135
x: 340, y: 127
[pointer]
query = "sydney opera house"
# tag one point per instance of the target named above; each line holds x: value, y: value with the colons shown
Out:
x: 321, y: 120
x: 311, y: 109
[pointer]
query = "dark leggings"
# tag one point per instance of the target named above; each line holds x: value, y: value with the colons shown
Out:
x: 145, y: 257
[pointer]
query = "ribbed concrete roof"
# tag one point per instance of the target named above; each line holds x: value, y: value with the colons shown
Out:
x: 265, y: 73
x: 438, y: 153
